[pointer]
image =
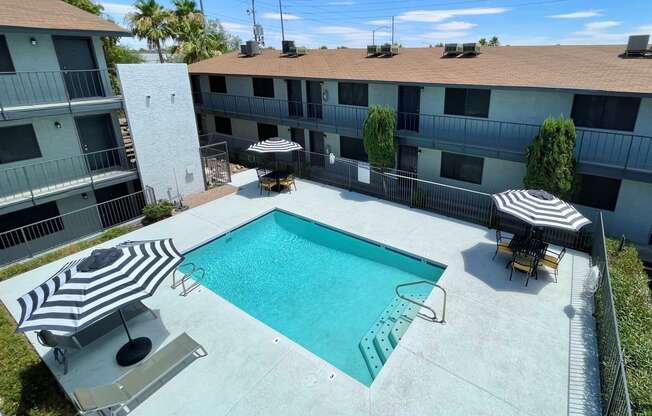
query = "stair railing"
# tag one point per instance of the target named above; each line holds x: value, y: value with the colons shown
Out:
x: 432, y: 318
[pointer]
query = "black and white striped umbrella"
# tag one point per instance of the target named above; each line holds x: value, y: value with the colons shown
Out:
x: 540, y: 209
x: 275, y: 145
x: 80, y: 294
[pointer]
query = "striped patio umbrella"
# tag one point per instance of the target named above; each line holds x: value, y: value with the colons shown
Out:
x: 540, y: 209
x: 275, y: 145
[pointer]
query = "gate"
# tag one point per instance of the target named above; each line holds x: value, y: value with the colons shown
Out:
x: 215, y: 164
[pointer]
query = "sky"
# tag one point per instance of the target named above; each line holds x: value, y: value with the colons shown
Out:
x: 419, y: 23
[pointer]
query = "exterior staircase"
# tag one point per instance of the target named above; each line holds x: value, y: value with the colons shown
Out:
x: 381, y: 339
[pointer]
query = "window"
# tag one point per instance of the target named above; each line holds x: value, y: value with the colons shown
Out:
x: 18, y: 143
x: 223, y: 125
x: 461, y: 167
x: 352, y: 148
x: 218, y: 83
x: 200, y: 123
x: 265, y: 131
x: 26, y: 217
x: 603, y: 112
x: 6, y: 65
x: 195, y: 87
x: 350, y: 93
x: 263, y: 87
x: 597, y: 192
x: 467, y: 102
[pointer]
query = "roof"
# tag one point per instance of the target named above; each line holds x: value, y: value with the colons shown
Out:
x: 595, y: 68
x: 53, y: 15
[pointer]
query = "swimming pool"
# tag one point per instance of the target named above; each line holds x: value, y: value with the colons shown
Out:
x: 330, y: 292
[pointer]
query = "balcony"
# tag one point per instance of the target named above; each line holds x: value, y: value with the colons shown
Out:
x: 53, y: 92
x: 24, y: 184
x: 599, y: 152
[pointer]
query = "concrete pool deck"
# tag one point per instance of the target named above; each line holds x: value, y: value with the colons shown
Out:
x: 505, y: 349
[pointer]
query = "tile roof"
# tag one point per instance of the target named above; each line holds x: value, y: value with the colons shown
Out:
x: 53, y: 15
x: 596, y: 68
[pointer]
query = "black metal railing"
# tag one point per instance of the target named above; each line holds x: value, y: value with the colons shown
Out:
x: 33, y: 180
x: 615, y: 395
x: 503, y: 139
x: 41, y: 236
x: 21, y: 90
x: 400, y: 187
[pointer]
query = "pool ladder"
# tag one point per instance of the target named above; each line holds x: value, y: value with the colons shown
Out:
x: 427, y: 317
x: 187, y: 276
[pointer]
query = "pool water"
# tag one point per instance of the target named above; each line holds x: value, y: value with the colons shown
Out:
x: 320, y: 287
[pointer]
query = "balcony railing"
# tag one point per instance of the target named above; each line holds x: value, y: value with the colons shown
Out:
x: 504, y: 139
x: 27, y: 89
x: 31, y: 181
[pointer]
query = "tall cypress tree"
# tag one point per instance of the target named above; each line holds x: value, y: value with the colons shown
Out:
x: 550, y: 160
x: 378, y: 135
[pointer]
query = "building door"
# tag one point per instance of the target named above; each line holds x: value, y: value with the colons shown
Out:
x: 195, y: 87
x: 408, y: 157
x: 317, y: 148
x: 79, y: 67
x: 313, y: 90
x: 408, y: 108
x: 98, y: 141
x: 298, y: 136
x: 295, y: 106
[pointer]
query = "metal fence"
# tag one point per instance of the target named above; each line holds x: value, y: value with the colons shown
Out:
x: 401, y: 187
x: 26, y: 241
x: 215, y: 164
x: 615, y: 395
x: 504, y: 139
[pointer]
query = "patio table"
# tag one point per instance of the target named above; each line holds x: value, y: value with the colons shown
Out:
x: 277, y: 175
x: 528, y: 246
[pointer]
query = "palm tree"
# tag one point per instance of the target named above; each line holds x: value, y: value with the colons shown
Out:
x: 195, y: 42
x: 183, y: 8
x: 150, y: 21
x: 494, y: 41
x: 483, y: 41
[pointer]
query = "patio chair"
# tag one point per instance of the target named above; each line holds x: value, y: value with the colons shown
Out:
x: 552, y: 260
x: 113, y: 398
x: 525, y: 264
x: 267, y: 184
x: 63, y: 345
x: 289, y: 182
x: 260, y: 172
x: 502, y: 245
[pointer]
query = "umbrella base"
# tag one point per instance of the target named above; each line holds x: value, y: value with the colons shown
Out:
x: 133, y: 351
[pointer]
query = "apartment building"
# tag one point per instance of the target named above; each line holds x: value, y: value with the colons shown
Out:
x: 464, y: 121
x: 61, y: 147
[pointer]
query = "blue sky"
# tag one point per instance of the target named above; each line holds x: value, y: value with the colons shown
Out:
x: 420, y: 22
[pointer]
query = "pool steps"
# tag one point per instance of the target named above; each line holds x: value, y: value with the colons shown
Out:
x: 379, y: 342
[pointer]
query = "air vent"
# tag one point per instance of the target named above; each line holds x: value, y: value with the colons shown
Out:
x: 452, y: 49
x: 470, y: 49
x: 287, y: 46
x: 638, y: 45
x: 251, y: 48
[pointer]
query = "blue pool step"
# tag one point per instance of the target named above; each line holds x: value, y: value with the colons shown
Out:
x: 384, y: 335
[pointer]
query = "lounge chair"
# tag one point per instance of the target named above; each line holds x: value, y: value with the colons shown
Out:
x: 552, y: 260
x: 525, y: 264
x: 110, y: 399
x: 64, y: 344
x: 502, y: 245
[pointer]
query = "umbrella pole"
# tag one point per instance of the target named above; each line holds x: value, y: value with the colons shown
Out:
x: 124, y: 323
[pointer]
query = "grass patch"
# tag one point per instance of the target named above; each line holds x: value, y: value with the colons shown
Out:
x: 633, y: 303
x: 27, y: 387
x: 39, y: 261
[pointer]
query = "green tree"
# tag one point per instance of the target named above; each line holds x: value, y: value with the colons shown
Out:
x: 87, y: 5
x: 378, y: 135
x: 151, y: 22
x: 196, y: 42
x: 494, y: 41
x: 483, y: 41
x: 550, y: 161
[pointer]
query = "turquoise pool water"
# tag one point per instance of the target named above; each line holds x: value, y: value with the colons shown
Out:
x: 319, y: 287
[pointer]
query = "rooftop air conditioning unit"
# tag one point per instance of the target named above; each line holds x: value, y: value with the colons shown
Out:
x: 287, y: 45
x: 252, y: 48
x: 390, y: 50
x: 298, y: 51
x: 452, y: 49
x: 472, y: 48
x: 243, y: 49
x: 373, y: 50
x: 638, y: 45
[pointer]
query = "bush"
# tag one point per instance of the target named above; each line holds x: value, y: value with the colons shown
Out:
x: 550, y: 161
x: 157, y: 211
x: 633, y: 303
x: 378, y: 136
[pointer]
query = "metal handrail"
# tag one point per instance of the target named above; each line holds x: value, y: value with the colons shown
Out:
x: 187, y: 276
x: 419, y: 314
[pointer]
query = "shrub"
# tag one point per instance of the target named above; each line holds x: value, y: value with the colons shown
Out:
x: 157, y: 211
x: 633, y: 303
x: 378, y: 135
x: 550, y: 161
